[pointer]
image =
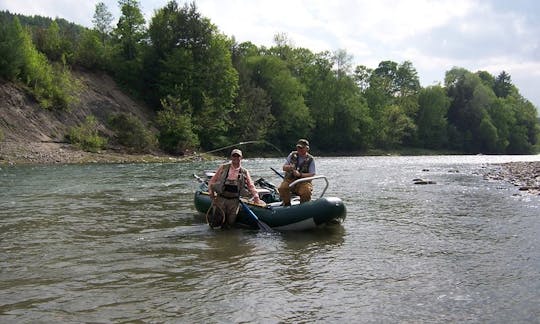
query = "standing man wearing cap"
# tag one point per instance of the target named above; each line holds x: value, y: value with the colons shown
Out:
x: 228, y: 184
x: 299, y: 164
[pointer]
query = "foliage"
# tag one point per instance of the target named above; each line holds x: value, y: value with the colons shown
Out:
x: 431, y: 118
x: 51, y: 85
x: 86, y: 136
x: 292, y: 117
x: 189, y: 59
x: 175, y: 126
x: 102, y: 21
x: 11, y: 51
x: 91, y: 53
x: 130, y: 29
x: 132, y: 133
x: 234, y: 92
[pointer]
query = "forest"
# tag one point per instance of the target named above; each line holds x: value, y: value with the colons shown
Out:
x: 209, y: 91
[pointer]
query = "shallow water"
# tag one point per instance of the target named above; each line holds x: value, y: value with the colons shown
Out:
x: 123, y: 243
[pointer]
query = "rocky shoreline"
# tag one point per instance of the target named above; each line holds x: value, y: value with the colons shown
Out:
x: 16, y: 153
x: 524, y: 175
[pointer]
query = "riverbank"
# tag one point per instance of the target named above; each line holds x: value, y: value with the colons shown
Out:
x: 524, y: 175
x: 12, y: 153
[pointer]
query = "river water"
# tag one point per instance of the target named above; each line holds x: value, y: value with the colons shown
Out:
x: 123, y: 243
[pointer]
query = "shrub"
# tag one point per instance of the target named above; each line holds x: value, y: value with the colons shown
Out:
x: 175, y: 126
x: 86, y: 136
x: 131, y: 133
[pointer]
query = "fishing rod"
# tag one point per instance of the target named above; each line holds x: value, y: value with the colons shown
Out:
x: 245, y: 143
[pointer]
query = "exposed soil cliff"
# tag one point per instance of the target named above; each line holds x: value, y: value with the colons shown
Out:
x: 36, y: 135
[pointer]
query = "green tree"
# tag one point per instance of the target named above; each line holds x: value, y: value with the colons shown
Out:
x: 130, y: 30
x: 11, y: 49
x: 192, y: 60
x: 52, y: 46
x: 392, y: 97
x: 362, y: 75
x: 525, y: 131
x: 488, y: 136
x: 252, y: 111
x: 397, y: 126
x: 431, y: 118
x: 176, y: 133
x: 91, y: 53
x: 287, y: 99
x: 37, y: 73
x: 102, y: 21
x: 503, y: 86
x: 340, y: 113
x: 470, y: 99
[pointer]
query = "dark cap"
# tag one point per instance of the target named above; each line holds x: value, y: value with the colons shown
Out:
x: 303, y: 143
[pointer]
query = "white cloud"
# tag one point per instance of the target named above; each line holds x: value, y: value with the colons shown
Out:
x: 492, y: 35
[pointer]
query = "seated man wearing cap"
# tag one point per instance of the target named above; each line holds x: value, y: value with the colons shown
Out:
x: 228, y: 184
x: 299, y: 164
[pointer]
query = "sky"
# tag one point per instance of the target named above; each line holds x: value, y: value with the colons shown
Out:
x: 434, y: 35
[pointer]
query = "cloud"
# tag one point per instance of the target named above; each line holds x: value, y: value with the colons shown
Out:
x: 491, y: 35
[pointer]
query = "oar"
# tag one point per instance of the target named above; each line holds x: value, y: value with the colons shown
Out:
x: 279, y: 174
x: 262, y: 226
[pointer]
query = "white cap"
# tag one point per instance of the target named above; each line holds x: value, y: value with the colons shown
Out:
x: 236, y: 151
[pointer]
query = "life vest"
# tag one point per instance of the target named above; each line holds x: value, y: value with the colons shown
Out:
x: 231, y: 188
x: 303, y: 168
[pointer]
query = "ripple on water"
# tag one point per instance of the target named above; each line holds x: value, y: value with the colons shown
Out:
x: 106, y: 243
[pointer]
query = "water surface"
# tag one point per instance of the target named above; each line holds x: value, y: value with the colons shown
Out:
x: 123, y: 243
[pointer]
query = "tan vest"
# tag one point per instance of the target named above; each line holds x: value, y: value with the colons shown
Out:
x: 231, y: 188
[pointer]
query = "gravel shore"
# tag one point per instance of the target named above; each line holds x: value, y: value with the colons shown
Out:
x: 12, y: 153
x: 524, y: 175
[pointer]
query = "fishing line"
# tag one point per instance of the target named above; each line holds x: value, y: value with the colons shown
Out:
x: 245, y: 143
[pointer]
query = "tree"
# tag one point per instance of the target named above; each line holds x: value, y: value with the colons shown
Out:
x: 11, y: 49
x: 130, y: 29
x: 343, y: 63
x: 252, y: 111
x: 470, y: 99
x: 175, y: 126
x: 385, y: 77
x: 91, y: 52
x: 488, y: 136
x: 191, y: 60
x: 52, y: 43
x: 397, y: 126
x: 361, y: 76
x: 287, y: 99
x: 102, y: 21
x: 431, y: 118
x: 503, y: 86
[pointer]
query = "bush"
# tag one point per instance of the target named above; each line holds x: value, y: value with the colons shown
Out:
x: 131, y: 133
x: 175, y: 127
x: 86, y: 136
x: 1, y: 135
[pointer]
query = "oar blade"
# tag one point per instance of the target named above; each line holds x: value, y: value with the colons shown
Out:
x: 262, y: 225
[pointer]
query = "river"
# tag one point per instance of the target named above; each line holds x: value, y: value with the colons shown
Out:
x: 123, y: 243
